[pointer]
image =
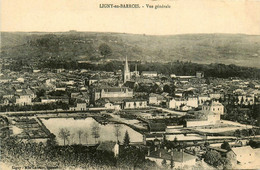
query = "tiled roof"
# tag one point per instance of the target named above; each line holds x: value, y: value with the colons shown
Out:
x: 177, y: 156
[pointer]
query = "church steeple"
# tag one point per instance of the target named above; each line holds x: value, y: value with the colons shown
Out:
x: 126, y: 74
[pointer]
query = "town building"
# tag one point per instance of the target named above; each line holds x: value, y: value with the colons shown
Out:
x: 214, y: 107
x: 209, y: 115
x: 112, y: 92
x: 79, y: 105
x: 177, y: 103
x: 135, y: 104
x: 24, y: 97
x: 192, y: 102
x: 149, y: 74
x: 244, y: 155
x: 156, y: 99
x: 135, y: 73
x: 176, y: 158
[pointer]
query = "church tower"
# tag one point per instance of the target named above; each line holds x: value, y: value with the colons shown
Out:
x: 126, y: 74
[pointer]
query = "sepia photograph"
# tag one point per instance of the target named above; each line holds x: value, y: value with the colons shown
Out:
x: 129, y: 84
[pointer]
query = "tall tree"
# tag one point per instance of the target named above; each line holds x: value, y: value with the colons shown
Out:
x: 79, y: 132
x: 225, y: 145
x: 64, y: 134
x: 117, y: 131
x: 126, y: 138
x: 95, y: 130
x: 72, y: 138
x: 86, y: 136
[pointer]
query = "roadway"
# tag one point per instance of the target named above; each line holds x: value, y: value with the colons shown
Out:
x: 170, y: 111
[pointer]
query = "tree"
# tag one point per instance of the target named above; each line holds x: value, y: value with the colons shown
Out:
x: 164, y: 163
x: 242, y: 101
x: 172, y: 164
x: 206, y: 144
x: 105, y: 50
x: 225, y: 145
x: 126, y: 138
x: 86, y: 136
x: 175, y: 142
x: 226, y: 162
x: 72, y: 138
x: 237, y: 133
x: 40, y: 93
x: 64, y: 134
x: 95, y: 131
x: 117, y: 131
x: 164, y: 142
x: 213, y: 158
x: 79, y: 132
x: 169, y: 89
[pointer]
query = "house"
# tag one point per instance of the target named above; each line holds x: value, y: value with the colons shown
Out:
x: 80, y: 95
x: 157, y: 127
x: 209, y: 115
x: 216, y: 95
x: 176, y: 103
x: 192, y: 102
x: 108, y: 104
x: 112, y: 106
x: 179, y: 159
x: 79, y: 105
x: 109, y: 146
x: 199, y: 74
x: 53, y: 99
x: 202, y: 99
x: 134, y: 104
x: 155, y: 99
x: 112, y: 92
x: 93, y: 80
x: 149, y: 74
x: 214, y: 107
x: 179, y: 93
x: 244, y: 154
x: 152, y: 137
x: 246, y: 99
x: 24, y: 97
x: 206, y: 118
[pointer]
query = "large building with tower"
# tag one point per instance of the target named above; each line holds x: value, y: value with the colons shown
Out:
x: 126, y: 73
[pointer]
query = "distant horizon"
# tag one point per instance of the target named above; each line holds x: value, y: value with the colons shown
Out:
x: 75, y: 31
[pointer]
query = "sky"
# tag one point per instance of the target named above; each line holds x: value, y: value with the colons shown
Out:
x: 184, y: 16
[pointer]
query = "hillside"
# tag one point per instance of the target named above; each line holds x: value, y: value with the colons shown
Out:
x: 243, y: 50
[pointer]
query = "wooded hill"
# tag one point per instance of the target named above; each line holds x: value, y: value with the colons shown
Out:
x: 238, y: 49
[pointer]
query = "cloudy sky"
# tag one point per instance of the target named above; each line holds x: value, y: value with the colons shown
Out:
x: 184, y: 16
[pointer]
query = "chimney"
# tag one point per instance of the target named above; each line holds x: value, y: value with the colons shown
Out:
x: 155, y: 149
x: 148, y: 154
x: 160, y: 154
